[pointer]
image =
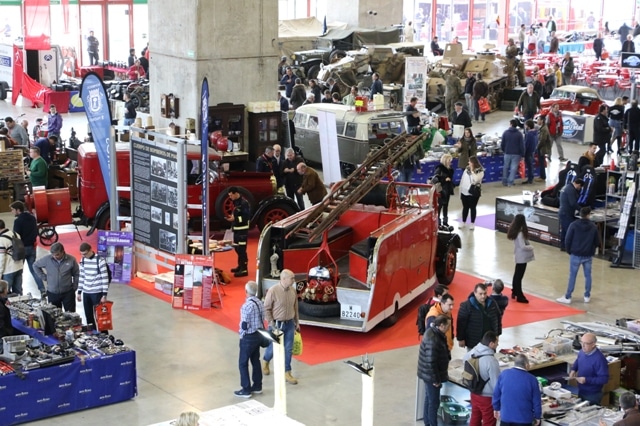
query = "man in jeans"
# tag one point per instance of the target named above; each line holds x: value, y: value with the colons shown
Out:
x: 581, y: 242
x: 251, y: 319
x: 62, y: 273
x: 26, y: 226
x: 93, y: 284
x: 433, y: 366
x: 513, y: 147
x: 281, y: 311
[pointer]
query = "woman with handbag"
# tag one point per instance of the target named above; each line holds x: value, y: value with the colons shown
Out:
x: 523, y: 250
x: 444, y: 176
x: 470, y: 190
x: 467, y: 148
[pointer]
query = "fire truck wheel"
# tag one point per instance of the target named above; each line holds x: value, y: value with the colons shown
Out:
x: 320, y: 310
x: 3, y: 92
x: 446, y: 268
x: 392, y: 319
x: 274, y: 213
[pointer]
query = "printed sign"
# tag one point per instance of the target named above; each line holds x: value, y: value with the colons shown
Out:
x: 193, y: 279
x: 117, y: 249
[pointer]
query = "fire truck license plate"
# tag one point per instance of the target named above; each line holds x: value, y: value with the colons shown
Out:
x: 350, y: 312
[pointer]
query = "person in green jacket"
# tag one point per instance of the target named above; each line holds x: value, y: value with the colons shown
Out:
x: 38, y: 169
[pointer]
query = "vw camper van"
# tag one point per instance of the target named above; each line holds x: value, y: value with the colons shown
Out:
x: 358, y: 132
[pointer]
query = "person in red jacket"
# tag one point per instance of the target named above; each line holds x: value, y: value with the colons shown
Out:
x: 136, y: 71
x: 554, y: 123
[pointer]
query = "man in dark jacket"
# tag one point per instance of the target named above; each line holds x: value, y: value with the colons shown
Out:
x: 26, y: 225
x: 581, y: 242
x: 477, y: 315
x: 240, y: 225
x: 6, y: 328
x: 513, y: 147
x: 530, y: 144
x: 529, y: 103
x: 568, y: 205
x: 601, y: 133
x: 468, y: 93
x: 433, y: 366
x: 632, y: 125
x: 460, y: 116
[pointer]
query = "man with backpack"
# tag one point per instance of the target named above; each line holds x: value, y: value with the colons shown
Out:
x: 93, y: 283
x: 26, y: 226
x: 483, y: 369
x: 11, y: 259
x: 444, y: 307
x: 423, y: 310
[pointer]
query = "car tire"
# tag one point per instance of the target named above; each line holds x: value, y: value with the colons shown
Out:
x: 224, y: 205
x: 104, y: 221
x: 319, y: 310
x: 446, y: 268
x: 3, y: 92
x: 337, y: 55
x: 274, y: 213
x: 313, y: 72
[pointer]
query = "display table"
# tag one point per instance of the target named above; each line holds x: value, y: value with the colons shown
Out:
x: 59, y: 99
x: 246, y: 413
x: 66, y: 388
x: 573, y: 46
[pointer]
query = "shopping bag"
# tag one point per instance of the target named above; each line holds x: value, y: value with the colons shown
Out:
x: 297, y: 343
x: 228, y: 235
x: 483, y: 104
x: 102, y: 314
x: 521, y: 169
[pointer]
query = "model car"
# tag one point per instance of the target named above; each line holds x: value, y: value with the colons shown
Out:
x: 574, y: 98
x: 451, y: 411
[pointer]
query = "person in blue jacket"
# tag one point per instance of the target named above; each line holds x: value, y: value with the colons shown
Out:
x: 530, y: 145
x: 516, y: 396
x: 568, y: 205
x: 590, y: 370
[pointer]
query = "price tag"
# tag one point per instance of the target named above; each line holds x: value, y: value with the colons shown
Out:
x: 350, y: 312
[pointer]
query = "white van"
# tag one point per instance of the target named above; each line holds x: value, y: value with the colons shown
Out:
x: 357, y: 132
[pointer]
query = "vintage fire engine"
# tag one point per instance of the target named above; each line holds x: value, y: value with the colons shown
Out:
x: 357, y: 265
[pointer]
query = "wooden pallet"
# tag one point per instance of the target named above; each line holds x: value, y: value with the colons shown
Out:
x: 11, y: 165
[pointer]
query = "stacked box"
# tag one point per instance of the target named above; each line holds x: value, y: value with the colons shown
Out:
x: 6, y: 198
x: 11, y: 165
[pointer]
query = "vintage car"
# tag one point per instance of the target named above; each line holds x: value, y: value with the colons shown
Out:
x: 451, y: 411
x: 574, y: 98
x: 358, y: 132
x: 257, y: 188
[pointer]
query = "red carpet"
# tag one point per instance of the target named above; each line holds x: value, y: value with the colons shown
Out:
x: 324, y: 345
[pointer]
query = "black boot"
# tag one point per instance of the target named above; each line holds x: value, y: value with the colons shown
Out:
x: 236, y: 269
x: 241, y: 271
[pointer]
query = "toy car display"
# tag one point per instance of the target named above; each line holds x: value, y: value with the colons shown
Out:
x: 451, y: 411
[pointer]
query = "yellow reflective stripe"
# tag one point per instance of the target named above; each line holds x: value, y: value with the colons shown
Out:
x: 240, y: 228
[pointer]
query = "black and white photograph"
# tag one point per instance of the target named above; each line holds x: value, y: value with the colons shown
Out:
x: 159, y: 167
x: 168, y: 241
x: 159, y: 193
x: 172, y: 198
x: 156, y: 214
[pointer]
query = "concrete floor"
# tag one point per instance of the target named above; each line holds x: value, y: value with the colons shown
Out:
x: 188, y: 363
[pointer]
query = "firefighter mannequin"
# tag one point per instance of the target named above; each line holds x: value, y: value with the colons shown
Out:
x: 240, y: 226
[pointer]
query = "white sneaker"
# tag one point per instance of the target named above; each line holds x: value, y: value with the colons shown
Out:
x: 587, y: 299
x: 461, y: 225
x: 563, y: 300
x: 472, y: 226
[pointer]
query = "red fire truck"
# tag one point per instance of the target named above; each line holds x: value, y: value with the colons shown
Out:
x: 259, y: 189
x: 357, y: 265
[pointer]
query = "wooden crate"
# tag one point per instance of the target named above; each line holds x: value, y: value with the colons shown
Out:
x: 11, y: 165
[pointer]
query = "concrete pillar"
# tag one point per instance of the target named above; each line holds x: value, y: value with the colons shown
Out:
x: 356, y: 12
x: 231, y: 42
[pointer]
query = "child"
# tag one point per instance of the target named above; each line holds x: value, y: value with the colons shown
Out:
x: 423, y: 310
x: 501, y: 300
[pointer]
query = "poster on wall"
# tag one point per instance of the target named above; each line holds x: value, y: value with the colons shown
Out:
x: 193, y: 279
x: 155, y: 194
x: 455, y: 404
x: 415, y: 81
x: 116, y: 248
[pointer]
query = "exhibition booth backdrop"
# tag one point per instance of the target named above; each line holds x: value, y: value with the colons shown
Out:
x: 324, y: 345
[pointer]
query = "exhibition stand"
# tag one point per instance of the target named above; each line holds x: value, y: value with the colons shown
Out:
x: 542, y: 221
x: 577, y: 128
x: 492, y: 169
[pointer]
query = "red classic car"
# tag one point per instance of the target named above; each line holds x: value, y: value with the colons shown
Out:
x: 574, y: 98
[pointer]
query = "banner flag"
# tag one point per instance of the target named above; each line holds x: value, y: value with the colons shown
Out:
x: 18, y: 72
x: 96, y: 106
x: 37, y: 25
x: 204, y: 143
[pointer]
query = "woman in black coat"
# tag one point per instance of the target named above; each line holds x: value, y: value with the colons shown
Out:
x: 444, y: 175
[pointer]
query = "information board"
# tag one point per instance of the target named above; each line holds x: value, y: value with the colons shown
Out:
x: 155, y: 194
x: 192, y: 282
x: 116, y: 248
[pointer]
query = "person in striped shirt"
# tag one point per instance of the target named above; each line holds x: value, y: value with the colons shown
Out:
x: 93, y: 283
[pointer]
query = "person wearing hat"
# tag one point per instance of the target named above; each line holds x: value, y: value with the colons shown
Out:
x: 54, y: 122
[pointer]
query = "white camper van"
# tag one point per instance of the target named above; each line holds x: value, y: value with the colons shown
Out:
x: 358, y: 132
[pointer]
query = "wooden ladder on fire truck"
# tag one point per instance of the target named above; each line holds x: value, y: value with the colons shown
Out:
x: 348, y: 192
